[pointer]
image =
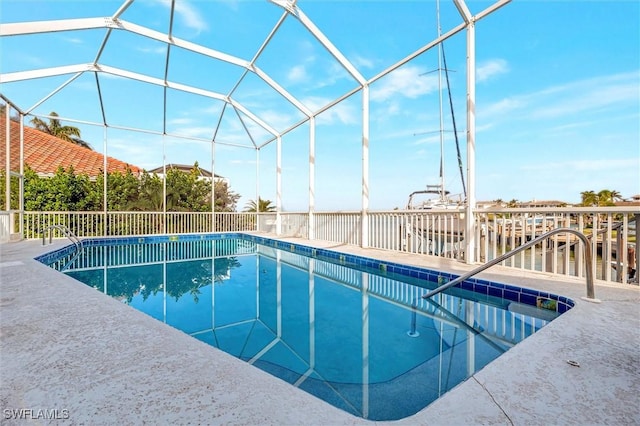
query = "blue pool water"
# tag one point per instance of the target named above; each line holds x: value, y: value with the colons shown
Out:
x: 352, y: 331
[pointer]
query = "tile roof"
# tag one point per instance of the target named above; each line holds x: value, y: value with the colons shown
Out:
x: 45, y: 153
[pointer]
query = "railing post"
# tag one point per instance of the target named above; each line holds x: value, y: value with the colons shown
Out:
x: 637, y: 249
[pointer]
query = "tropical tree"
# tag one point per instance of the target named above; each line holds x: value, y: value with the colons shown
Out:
x: 588, y: 199
x: 603, y: 198
x: 261, y: 206
x: 54, y: 128
x: 3, y: 111
x: 226, y: 199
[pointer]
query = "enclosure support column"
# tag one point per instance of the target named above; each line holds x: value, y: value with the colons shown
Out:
x: 104, y: 184
x: 312, y: 176
x: 213, y: 186
x: 257, y: 190
x: 470, y: 254
x: 364, y: 226
x: 278, y: 185
x: 164, y: 187
x: 21, y: 188
x: 7, y: 175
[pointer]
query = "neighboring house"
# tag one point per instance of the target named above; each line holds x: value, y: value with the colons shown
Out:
x: 490, y: 205
x: 204, y: 174
x: 632, y: 201
x: 543, y: 203
x: 44, y: 153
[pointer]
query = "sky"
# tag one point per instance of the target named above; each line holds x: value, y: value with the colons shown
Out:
x: 557, y: 94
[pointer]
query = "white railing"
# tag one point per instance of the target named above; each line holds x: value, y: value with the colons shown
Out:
x: 425, y: 232
x: 344, y: 227
x: 611, y: 232
x: 267, y: 222
x: 430, y: 232
x: 92, y: 224
x: 295, y: 225
x: 6, y: 226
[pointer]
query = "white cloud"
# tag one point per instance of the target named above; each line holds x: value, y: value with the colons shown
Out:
x: 407, y: 82
x: 502, y: 107
x: 276, y: 119
x: 180, y: 121
x: 159, y: 50
x: 491, y: 68
x: 74, y: 40
x: 578, y: 97
x: 362, y: 62
x: 596, y: 94
x: 342, y: 112
x: 297, y: 74
x: 189, y: 15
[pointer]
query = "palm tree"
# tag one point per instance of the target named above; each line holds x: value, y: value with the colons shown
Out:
x: 513, y: 203
x: 263, y: 206
x: 603, y: 198
x: 589, y: 198
x: 54, y: 128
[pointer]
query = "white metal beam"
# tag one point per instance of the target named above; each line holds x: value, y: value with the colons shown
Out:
x: 275, y: 86
x: 244, y: 126
x: 146, y: 32
x: 193, y: 47
x: 470, y: 235
x: 122, y: 8
x: 364, y: 225
x: 158, y: 81
x: 312, y: 178
x: 497, y: 5
x: 333, y: 50
x: 63, y: 85
x: 11, y: 77
x: 7, y: 176
x: 278, y: 185
x: 36, y: 27
x: 463, y: 10
x: 252, y: 116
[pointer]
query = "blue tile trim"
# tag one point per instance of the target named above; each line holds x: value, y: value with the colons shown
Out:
x: 380, y: 267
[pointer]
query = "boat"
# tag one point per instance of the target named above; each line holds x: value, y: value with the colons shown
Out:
x: 444, y: 200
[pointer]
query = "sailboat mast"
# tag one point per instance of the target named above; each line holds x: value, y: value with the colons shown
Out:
x: 442, y: 190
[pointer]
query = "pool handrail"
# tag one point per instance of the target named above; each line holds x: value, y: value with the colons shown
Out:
x: 587, y: 254
x: 66, y: 231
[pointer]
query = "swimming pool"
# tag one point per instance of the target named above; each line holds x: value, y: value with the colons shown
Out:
x: 351, y: 330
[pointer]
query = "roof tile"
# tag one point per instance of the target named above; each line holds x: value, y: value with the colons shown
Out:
x: 44, y: 153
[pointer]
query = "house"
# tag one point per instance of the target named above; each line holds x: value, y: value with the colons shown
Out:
x: 490, y: 204
x: 543, y: 203
x: 632, y: 201
x: 44, y: 153
x: 204, y: 174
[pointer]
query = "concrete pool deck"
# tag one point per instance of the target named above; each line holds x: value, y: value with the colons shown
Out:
x: 66, y: 347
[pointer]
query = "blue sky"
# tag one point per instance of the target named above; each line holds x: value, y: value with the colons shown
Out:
x: 557, y: 95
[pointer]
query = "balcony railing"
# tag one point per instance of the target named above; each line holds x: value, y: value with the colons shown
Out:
x: 431, y: 233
